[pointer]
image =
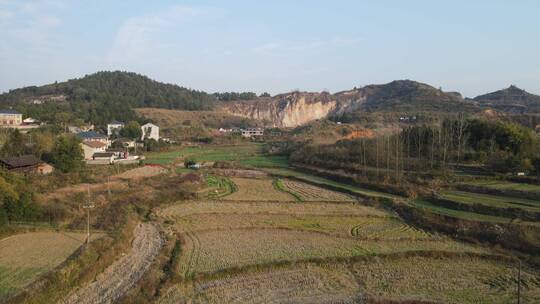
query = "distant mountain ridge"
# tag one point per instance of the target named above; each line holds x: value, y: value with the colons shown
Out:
x: 106, y: 96
x: 297, y: 108
x: 511, y: 99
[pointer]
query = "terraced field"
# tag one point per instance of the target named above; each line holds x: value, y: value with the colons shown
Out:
x: 248, y: 208
x: 260, y: 245
x: 492, y: 200
x: 307, y: 192
x: 505, y: 185
x: 258, y: 189
x: 211, y: 251
x: 467, y: 215
x: 218, y: 186
x: 24, y: 257
x: 458, y: 279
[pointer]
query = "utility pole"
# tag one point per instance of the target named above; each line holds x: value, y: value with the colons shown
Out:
x: 109, y: 185
x: 519, y: 283
x: 89, y: 205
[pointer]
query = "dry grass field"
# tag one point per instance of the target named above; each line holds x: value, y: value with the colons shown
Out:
x: 248, y: 208
x: 363, y: 227
x: 307, y: 192
x: 258, y: 189
x: 166, y: 118
x: 24, y: 257
x: 446, y: 280
x: 262, y: 246
x: 211, y: 251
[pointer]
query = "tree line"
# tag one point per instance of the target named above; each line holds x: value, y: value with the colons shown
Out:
x: 496, y: 146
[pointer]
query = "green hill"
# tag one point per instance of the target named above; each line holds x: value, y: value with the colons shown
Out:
x: 104, y: 96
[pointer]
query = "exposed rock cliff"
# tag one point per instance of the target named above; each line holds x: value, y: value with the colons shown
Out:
x: 298, y: 108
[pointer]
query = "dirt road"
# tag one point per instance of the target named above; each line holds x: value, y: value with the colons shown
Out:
x: 122, y: 275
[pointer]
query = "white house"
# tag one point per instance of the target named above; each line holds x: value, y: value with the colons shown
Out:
x: 150, y: 131
x: 114, y: 128
x: 252, y: 132
x: 91, y: 147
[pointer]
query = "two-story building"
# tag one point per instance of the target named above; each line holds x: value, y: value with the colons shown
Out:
x: 252, y: 132
x: 94, y: 136
x: 9, y: 117
x: 150, y: 131
x: 114, y: 128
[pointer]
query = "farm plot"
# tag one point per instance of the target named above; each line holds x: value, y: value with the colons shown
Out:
x: 218, y: 187
x: 211, y: 251
x: 249, y: 208
x: 24, y: 257
x: 361, y: 227
x: 466, y: 215
x: 492, y: 200
x: 258, y: 189
x: 459, y: 279
x: 448, y: 280
x: 307, y: 192
x: 504, y: 185
x: 304, y: 284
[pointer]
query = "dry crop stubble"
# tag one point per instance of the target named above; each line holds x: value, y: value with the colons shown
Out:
x: 309, y: 192
x: 257, y: 189
x: 24, y: 257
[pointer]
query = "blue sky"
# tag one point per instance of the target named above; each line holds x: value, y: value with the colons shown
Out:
x: 275, y: 46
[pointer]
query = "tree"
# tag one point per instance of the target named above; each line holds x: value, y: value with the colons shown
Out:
x: 14, y: 145
x: 67, y: 154
x: 131, y: 130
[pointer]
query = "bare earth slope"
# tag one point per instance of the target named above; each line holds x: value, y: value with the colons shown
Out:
x: 116, y: 280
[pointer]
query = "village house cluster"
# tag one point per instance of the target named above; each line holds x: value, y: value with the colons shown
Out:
x: 247, y: 133
x: 98, y: 148
x: 10, y: 118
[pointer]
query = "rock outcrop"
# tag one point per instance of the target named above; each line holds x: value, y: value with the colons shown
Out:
x: 298, y: 108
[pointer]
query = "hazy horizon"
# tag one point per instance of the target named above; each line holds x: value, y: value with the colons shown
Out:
x: 472, y: 48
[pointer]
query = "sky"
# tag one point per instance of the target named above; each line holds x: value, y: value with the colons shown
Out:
x: 473, y: 46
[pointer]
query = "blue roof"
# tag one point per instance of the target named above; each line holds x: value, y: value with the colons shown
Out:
x: 9, y: 111
x: 90, y: 134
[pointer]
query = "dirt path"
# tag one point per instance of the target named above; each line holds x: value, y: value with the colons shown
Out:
x: 122, y: 275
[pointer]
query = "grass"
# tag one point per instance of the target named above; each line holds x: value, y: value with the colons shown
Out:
x: 491, y: 200
x: 445, y: 280
x: 258, y: 189
x: 219, y: 187
x: 324, y: 181
x: 248, y: 154
x: 279, y: 184
x: 505, y: 185
x: 211, y: 251
x: 361, y: 227
x: 247, y: 209
x: 307, y: 192
x: 24, y: 257
x: 471, y: 216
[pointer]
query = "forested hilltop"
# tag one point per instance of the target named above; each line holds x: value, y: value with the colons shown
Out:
x: 104, y: 96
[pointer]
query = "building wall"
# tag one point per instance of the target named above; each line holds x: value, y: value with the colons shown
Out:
x: 89, y: 151
x: 150, y: 131
x: 114, y: 129
x: 45, y: 169
x: 10, y: 119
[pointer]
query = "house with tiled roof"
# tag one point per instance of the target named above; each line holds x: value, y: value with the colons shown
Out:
x: 26, y: 164
x: 10, y: 117
x: 91, y: 147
